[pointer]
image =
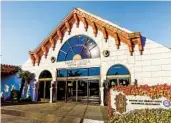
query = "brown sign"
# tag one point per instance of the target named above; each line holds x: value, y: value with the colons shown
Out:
x: 120, y: 103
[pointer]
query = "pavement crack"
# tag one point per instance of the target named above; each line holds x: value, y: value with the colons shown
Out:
x: 81, y: 121
x: 67, y: 113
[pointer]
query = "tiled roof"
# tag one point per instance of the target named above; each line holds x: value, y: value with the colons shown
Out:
x: 8, y: 69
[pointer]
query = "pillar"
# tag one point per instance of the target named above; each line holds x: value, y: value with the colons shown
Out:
x: 54, y: 92
x: 102, y: 96
x: 28, y: 91
x: 76, y: 90
x: 51, y: 92
x: 35, y: 91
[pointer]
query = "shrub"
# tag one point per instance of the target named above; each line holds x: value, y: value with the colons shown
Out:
x: 143, y: 116
x: 155, y: 92
x: 26, y: 100
x: 14, y: 95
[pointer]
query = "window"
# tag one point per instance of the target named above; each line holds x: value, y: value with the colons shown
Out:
x: 118, y: 75
x: 93, y: 71
x: 118, y: 70
x: 77, y: 48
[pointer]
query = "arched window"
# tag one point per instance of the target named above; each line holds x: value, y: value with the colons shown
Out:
x: 45, y: 79
x: 77, y: 48
x: 45, y: 74
x: 118, y: 70
x: 118, y: 75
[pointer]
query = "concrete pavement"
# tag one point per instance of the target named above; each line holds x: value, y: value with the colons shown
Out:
x: 59, y: 112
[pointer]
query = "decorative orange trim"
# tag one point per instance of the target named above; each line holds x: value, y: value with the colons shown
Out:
x: 60, y: 36
x: 76, y: 19
x: 85, y: 23
x: 140, y: 47
x: 94, y: 28
x: 76, y: 16
x: 32, y: 57
x: 37, y: 57
x: 52, y: 42
x: 105, y: 34
x: 67, y: 25
x: 117, y: 41
x: 130, y: 47
x: 44, y: 51
x: 136, y: 39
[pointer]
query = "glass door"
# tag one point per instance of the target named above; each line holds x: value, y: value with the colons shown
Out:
x: 87, y: 91
x: 61, y: 90
x: 93, y: 96
x: 93, y: 87
x: 71, y: 93
x: 82, y: 90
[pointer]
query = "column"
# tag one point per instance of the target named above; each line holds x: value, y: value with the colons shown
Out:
x: 102, y: 96
x: 28, y: 91
x: 54, y: 91
x: 35, y: 91
x: 51, y: 92
x: 44, y: 94
x: 76, y: 90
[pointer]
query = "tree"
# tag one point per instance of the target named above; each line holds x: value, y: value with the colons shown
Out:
x: 26, y: 77
x: 73, y: 74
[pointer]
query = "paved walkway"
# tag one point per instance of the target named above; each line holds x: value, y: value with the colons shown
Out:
x: 59, y: 112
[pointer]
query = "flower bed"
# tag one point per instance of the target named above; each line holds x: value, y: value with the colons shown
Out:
x: 109, y: 104
x: 143, y: 116
x: 154, y: 92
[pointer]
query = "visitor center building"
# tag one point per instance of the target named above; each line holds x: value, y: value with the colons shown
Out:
x: 85, y: 54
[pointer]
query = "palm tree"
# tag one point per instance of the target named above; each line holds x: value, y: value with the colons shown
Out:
x: 26, y: 77
x: 73, y: 74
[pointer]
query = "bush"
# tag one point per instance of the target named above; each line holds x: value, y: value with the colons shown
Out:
x: 155, y: 92
x: 26, y: 100
x: 143, y: 116
x: 14, y: 95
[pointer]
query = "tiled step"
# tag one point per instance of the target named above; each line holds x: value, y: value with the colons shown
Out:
x: 44, y: 100
x: 90, y: 99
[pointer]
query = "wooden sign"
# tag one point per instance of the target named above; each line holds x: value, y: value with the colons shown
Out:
x: 120, y: 103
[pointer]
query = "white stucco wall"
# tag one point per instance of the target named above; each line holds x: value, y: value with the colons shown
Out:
x: 153, y: 67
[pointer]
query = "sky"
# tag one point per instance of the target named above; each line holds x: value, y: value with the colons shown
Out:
x: 24, y: 25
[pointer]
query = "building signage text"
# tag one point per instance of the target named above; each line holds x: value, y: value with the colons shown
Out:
x: 75, y: 63
x: 145, y: 102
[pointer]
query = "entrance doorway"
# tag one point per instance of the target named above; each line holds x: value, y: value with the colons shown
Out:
x: 116, y: 75
x: 44, y: 91
x: 81, y: 84
x: 86, y: 91
x: 45, y: 79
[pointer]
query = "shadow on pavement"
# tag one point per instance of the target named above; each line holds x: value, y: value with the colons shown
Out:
x: 20, y: 103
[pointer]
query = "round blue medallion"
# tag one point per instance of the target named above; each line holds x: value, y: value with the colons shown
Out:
x: 166, y: 103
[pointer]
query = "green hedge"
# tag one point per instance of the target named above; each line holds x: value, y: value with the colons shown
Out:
x: 143, y: 116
